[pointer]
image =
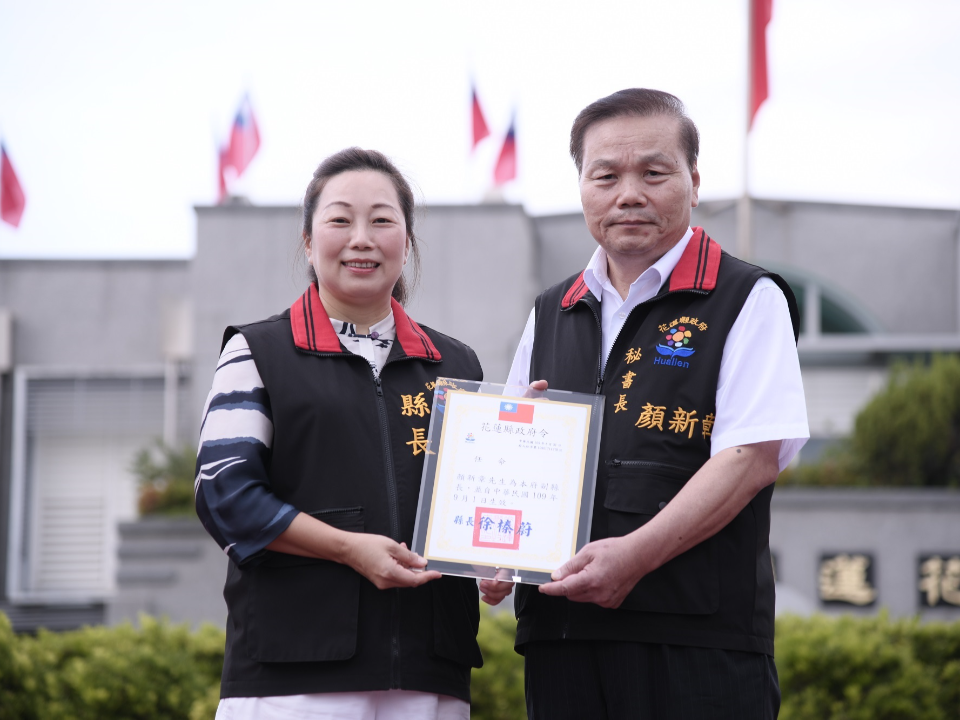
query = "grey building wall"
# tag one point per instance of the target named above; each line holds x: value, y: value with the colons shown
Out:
x: 895, y: 526
x: 479, y: 279
x: 83, y: 314
x: 169, y: 568
x: 900, y: 264
x: 90, y: 313
x: 482, y: 268
x: 246, y: 268
x: 564, y: 246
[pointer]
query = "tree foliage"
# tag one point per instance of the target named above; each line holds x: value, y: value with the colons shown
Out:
x: 907, y: 435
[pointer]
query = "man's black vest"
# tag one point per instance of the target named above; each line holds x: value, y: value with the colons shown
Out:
x: 348, y: 448
x: 660, y: 385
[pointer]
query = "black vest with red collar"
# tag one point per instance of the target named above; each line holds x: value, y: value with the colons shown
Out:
x: 348, y: 448
x: 660, y: 385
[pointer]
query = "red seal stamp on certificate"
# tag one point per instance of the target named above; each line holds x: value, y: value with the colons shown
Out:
x: 496, y: 528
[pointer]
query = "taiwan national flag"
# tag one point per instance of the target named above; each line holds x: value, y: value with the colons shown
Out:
x: 514, y: 412
x: 506, y: 168
x: 480, y: 129
x: 244, y: 138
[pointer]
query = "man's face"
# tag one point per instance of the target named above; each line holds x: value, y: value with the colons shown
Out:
x: 636, y: 187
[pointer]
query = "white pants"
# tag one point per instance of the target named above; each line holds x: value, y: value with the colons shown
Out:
x: 377, y: 705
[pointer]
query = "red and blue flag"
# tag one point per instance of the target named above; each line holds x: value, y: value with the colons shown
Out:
x: 506, y: 169
x: 244, y: 139
x: 480, y: 129
x: 516, y: 412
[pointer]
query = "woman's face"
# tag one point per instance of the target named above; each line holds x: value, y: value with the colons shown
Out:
x: 358, y: 242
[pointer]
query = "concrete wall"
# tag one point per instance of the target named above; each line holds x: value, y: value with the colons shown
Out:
x: 172, y: 568
x: 901, y: 264
x: 89, y: 313
x: 564, y: 247
x: 246, y: 268
x: 169, y: 568
x: 477, y: 284
x: 479, y: 279
x: 895, y: 526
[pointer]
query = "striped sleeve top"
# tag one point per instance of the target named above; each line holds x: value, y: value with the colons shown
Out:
x: 232, y: 487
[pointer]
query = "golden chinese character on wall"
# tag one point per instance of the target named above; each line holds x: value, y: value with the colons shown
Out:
x: 847, y: 579
x: 939, y: 580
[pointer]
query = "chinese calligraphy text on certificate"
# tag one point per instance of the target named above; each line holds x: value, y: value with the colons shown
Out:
x: 508, y: 485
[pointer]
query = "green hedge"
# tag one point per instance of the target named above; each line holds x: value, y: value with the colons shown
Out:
x: 830, y: 669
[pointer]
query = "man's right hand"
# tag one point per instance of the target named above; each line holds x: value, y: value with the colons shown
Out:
x: 538, y: 385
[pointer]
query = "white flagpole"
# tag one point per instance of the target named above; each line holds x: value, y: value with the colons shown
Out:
x: 744, y: 209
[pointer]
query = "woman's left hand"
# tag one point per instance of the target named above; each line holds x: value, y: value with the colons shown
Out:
x: 492, y: 592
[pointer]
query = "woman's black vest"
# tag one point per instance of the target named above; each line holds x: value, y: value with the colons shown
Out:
x: 660, y: 385
x: 348, y: 448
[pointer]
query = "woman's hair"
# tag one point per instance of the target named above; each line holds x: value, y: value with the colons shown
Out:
x: 352, y: 159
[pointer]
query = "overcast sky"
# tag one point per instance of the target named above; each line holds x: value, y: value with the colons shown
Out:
x: 112, y: 111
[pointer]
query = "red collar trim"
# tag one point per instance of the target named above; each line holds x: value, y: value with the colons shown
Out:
x: 696, y: 270
x: 699, y: 264
x: 575, y: 293
x: 312, y: 329
x: 411, y: 336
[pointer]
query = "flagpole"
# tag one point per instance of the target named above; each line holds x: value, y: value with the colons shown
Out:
x: 744, y: 209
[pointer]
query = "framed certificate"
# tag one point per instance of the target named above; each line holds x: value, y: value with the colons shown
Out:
x: 508, y: 480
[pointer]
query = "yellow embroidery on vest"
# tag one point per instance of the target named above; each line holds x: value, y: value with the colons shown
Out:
x: 651, y: 417
x: 707, y: 425
x: 682, y: 420
x: 419, y: 442
x: 414, y: 405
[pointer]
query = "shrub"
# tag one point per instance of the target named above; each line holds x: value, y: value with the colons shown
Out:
x: 156, y: 671
x: 18, y: 683
x: 851, y: 668
x: 845, y: 668
x: 497, y: 688
x: 165, y: 477
x: 907, y: 435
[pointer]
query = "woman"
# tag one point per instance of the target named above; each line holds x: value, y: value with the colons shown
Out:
x: 309, y: 471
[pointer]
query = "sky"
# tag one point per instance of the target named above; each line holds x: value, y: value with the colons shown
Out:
x: 112, y: 111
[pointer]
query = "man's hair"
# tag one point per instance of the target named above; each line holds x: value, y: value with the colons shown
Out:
x: 636, y: 102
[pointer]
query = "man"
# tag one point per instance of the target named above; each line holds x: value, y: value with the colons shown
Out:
x: 668, y: 612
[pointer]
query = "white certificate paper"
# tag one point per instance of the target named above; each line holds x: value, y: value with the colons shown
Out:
x: 508, y: 488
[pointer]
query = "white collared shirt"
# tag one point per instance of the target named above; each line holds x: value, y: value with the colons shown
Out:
x: 759, y: 391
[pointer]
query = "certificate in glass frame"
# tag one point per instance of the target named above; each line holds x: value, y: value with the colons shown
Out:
x: 508, y: 480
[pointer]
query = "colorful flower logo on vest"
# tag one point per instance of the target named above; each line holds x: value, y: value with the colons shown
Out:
x: 678, y: 342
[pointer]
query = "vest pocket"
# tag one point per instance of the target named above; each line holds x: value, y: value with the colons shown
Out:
x: 456, y: 619
x: 690, y: 583
x: 303, y: 609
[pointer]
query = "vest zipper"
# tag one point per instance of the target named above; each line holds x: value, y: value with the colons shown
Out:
x: 393, y: 505
x: 392, y: 502
x: 600, y: 352
x: 648, y: 300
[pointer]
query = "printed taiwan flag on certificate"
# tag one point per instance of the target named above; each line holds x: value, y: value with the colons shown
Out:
x: 516, y: 412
